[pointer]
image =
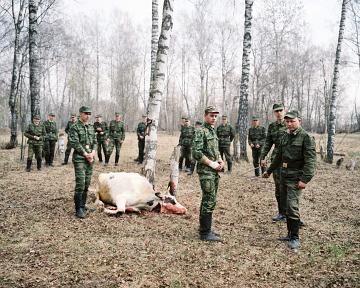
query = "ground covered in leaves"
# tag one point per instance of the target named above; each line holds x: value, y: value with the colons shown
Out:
x: 42, y: 244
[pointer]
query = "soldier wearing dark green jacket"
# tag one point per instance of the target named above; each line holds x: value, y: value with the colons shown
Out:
x: 101, y: 131
x: 181, y: 159
x: 116, y: 137
x: 68, y: 146
x: 185, y: 141
x: 296, y: 156
x: 35, y: 133
x: 83, y: 140
x: 140, y: 132
x: 50, y: 139
x: 273, y: 136
x: 226, y: 134
x: 205, y: 150
x: 256, y: 141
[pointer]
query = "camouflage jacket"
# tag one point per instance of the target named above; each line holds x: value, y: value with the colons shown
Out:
x: 51, y: 130
x: 82, y: 138
x: 35, y: 130
x: 141, y: 130
x: 206, y: 144
x: 225, y: 134
x: 116, y: 130
x: 68, y: 126
x: 296, y: 156
x: 103, y: 127
x: 186, y: 135
x: 273, y: 136
x: 257, y: 135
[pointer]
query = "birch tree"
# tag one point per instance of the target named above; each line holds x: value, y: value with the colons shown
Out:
x: 154, y: 37
x: 244, y: 85
x: 334, y: 89
x: 156, y: 93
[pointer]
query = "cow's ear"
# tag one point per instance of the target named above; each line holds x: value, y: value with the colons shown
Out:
x: 157, y: 194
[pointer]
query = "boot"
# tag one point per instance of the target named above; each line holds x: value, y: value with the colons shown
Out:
x: 279, y: 217
x: 107, y: 157
x: 192, y: 168
x: 263, y: 170
x: 181, y: 160
x: 229, y: 167
x: 117, y: 160
x: 83, y: 200
x: 288, y: 236
x: 257, y: 171
x: 100, y: 157
x: 28, y: 165
x: 294, y: 242
x: 66, y: 159
x: 51, y: 160
x: 38, y: 162
x: 205, y: 229
x: 79, y: 207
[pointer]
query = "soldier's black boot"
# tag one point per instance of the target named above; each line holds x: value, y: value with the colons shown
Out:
x: 38, y: 164
x: 257, y: 171
x: 287, y: 237
x: 263, y: 170
x: 28, y: 165
x: 181, y: 160
x: 79, y: 207
x: 205, y: 229
x: 117, y: 160
x: 51, y: 160
x: 192, y: 168
x: 294, y: 242
x: 100, y: 157
x: 66, y: 159
x: 229, y: 167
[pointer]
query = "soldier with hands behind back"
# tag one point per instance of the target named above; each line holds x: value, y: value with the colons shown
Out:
x: 257, y: 135
x: 100, y: 128
x: 226, y: 134
x: 68, y: 146
x: 50, y: 139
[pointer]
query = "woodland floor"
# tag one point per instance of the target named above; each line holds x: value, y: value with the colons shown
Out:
x: 42, y: 244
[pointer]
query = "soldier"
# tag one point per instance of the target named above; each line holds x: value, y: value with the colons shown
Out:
x: 68, y: 146
x: 181, y: 159
x: 141, y: 131
x: 226, y: 134
x: 50, y: 139
x: 100, y: 128
x: 83, y: 140
x: 186, y: 139
x: 256, y: 138
x: 205, y: 150
x: 115, y: 138
x: 297, y: 156
x: 198, y: 124
x: 35, y: 132
x: 274, y: 132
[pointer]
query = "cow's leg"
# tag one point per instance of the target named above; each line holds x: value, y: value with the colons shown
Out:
x: 132, y: 210
x: 120, y: 207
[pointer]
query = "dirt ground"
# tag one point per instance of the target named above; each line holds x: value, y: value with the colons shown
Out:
x: 42, y: 244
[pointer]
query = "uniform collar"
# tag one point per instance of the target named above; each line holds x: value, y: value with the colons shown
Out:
x: 207, y: 125
x: 295, y: 132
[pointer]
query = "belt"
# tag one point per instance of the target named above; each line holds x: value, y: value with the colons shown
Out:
x: 296, y: 164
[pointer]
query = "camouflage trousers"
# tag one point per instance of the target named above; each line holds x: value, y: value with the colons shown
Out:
x: 101, y: 148
x: 49, y: 151
x: 225, y: 150
x: 34, y: 149
x: 83, y: 173
x: 290, y: 197
x: 209, y: 187
x: 141, y: 146
x: 278, y: 191
x: 256, y: 161
x: 187, y: 155
x: 68, y: 150
x: 110, y: 148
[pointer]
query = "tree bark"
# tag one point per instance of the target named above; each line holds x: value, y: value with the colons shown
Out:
x: 156, y: 92
x: 334, y: 90
x: 154, y: 38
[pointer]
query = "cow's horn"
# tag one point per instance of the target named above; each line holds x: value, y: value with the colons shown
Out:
x: 157, y: 194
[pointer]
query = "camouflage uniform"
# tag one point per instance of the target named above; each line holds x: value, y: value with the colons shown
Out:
x: 101, y: 138
x: 35, y: 145
x: 226, y: 134
x: 50, y: 141
x: 116, y: 134
x: 186, y: 139
x: 140, y: 131
x: 257, y: 136
x: 297, y: 156
x: 273, y: 136
x: 83, y: 140
x: 181, y: 159
x: 68, y: 145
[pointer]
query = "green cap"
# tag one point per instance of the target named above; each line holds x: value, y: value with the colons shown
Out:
x: 293, y: 114
x: 51, y: 114
x: 224, y: 116
x: 98, y: 116
x: 37, y: 117
x: 255, y: 118
x: 211, y: 109
x: 278, y: 106
x: 84, y: 109
x: 198, y: 122
x: 117, y: 114
x: 73, y: 114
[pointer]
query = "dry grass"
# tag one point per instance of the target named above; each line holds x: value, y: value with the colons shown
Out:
x: 43, y: 245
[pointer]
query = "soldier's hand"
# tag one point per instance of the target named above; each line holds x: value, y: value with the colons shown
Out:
x: 257, y: 146
x: 37, y: 137
x: 301, y: 185
x: 263, y: 163
x: 215, y: 165
x: 222, y: 165
x: 252, y: 145
x: 265, y: 175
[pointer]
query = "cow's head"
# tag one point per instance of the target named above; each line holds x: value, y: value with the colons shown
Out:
x: 167, y: 204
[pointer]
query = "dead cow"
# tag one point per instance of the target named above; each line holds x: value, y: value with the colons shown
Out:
x: 131, y: 192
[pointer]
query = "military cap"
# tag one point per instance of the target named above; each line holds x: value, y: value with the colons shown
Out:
x: 98, y: 116
x: 36, y: 117
x: 117, y: 114
x: 73, y: 114
x: 293, y: 114
x: 211, y: 109
x: 255, y: 118
x: 278, y: 106
x: 224, y: 116
x: 198, y: 122
x: 51, y: 114
x: 84, y: 109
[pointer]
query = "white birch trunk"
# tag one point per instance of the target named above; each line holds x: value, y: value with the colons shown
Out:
x: 334, y: 90
x: 156, y: 93
x: 244, y: 86
x: 154, y: 38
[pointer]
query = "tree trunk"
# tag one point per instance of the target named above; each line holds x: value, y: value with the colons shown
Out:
x: 34, y: 59
x: 156, y: 92
x: 334, y: 90
x: 244, y: 86
x: 154, y: 38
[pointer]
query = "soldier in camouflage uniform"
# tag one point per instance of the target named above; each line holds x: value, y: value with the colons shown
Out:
x: 68, y: 146
x: 140, y: 132
x: 100, y: 128
x: 296, y: 156
x: 35, y: 132
x: 205, y: 150
x: 116, y: 137
x: 83, y: 140
x: 256, y: 139
x: 226, y: 134
x: 274, y: 133
x: 185, y: 141
x: 50, y: 139
x: 181, y: 159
